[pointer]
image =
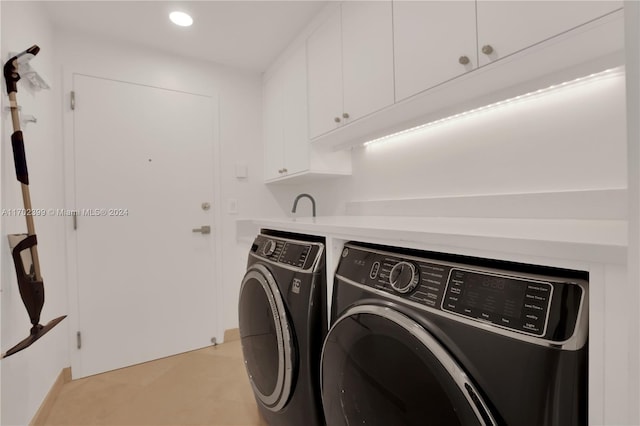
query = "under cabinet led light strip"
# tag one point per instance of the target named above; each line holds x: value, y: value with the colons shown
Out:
x: 572, y: 83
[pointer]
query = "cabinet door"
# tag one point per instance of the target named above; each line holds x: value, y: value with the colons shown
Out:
x: 430, y: 37
x: 324, y: 50
x: 272, y: 122
x: 294, y: 110
x: 509, y: 26
x: 367, y: 57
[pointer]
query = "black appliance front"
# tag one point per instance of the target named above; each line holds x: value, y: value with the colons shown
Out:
x: 421, y: 338
x: 282, y: 320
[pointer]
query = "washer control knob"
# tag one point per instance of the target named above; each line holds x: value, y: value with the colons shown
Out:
x: 404, y: 277
x: 269, y: 248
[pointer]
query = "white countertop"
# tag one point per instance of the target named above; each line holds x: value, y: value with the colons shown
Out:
x: 601, y: 241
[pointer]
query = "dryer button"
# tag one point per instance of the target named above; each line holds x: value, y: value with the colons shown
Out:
x: 374, y: 270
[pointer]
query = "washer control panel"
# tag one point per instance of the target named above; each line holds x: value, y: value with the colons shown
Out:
x: 513, y: 302
x: 412, y: 279
x: 294, y: 254
x: 538, y: 305
x: 297, y: 254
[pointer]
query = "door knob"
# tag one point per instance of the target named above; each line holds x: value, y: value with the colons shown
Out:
x: 204, y: 229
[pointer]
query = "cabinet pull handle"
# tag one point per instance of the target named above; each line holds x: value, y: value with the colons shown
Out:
x: 280, y: 171
x: 345, y: 115
x: 487, y: 49
x: 464, y: 60
x: 337, y: 119
x: 284, y: 170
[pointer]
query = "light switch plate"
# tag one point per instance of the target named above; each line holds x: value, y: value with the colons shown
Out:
x: 232, y: 206
x: 241, y: 171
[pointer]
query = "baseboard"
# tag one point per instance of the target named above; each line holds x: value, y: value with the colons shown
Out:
x: 232, y: 334
x: 45, y: 408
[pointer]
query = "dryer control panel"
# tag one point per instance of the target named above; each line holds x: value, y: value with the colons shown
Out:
x: 539, y: 305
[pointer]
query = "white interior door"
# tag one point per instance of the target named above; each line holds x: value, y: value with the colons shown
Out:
x: 144, y: 156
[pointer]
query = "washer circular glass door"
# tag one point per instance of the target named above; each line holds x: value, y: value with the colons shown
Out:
x: 379, y: 367
x: 266, y: 336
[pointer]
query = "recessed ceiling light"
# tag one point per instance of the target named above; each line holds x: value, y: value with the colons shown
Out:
x: 180, y: 18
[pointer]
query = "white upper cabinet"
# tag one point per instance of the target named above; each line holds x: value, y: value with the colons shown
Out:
x: 367, y: 57
x: 324, y: 49
x: 505, y: 27
x: 350, y: 65
x: 294, y: 111
x: 378, y: 67
x: 288, y: 154
x: 272, y: 127
x: 286, y: 142
x: 434, y: 41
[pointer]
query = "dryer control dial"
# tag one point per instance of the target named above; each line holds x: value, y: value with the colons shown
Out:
x: 269, y: 247
x: 404, y: 277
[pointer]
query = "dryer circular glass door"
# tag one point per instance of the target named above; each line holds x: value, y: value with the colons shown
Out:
x: 379, y: 367
x: 266, y: 336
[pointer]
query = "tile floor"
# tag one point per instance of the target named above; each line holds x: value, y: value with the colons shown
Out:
x: 204, y: 387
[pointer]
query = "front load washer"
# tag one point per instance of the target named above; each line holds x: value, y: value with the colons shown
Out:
x: 283, y: 321
x: 423, y: 338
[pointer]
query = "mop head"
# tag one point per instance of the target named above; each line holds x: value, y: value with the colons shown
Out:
x: 37, y: 331
x: 31, y: 290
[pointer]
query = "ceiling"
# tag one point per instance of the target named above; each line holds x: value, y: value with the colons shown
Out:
x: 241, y: 34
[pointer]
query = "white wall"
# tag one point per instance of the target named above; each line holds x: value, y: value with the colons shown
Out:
x: 28, y: 375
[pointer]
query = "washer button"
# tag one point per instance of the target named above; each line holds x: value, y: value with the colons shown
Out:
x: 374, y: 270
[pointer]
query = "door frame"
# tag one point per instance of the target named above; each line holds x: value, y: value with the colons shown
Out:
x: 71, y: 247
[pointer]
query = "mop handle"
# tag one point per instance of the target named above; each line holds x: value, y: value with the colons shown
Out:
x: 11, y: 77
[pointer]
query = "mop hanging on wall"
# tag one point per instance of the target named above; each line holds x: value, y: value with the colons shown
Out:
x: 24, y: 247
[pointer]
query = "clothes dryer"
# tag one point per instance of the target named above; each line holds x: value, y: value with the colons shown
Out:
x: 422, y: 338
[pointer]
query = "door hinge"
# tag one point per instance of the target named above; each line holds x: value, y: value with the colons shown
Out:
x: 73, y: 100
x: 79, y: 339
